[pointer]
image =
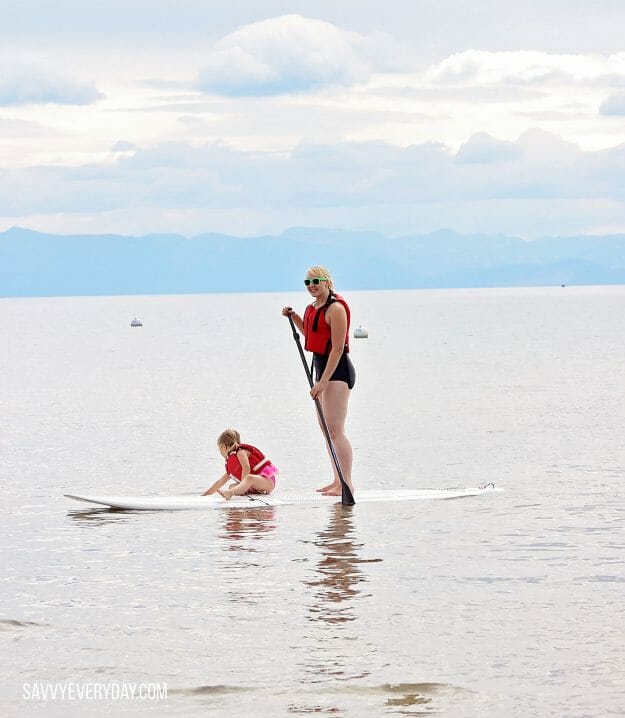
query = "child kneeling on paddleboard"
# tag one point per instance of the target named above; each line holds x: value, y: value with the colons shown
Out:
x: 250, y: 469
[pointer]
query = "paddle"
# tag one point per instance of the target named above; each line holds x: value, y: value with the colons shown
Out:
x: 347, y: 498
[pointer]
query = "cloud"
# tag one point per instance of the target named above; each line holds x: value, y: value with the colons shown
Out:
x: 499, y: 94
x: 124, y: 146
x: 482, y: 148
x: 551, y: 187
x: 17, y: 128
x: 539, y: 146
x: 343, y: 177
x: 24, y: 85
x: 297, y: 100
x: 527, y: 68
x: 433, y: 27
x: 285, y: 54
x: 613, y: 105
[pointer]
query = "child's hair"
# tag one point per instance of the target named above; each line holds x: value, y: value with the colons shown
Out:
x: 319, y: 271
x: 229, y: 437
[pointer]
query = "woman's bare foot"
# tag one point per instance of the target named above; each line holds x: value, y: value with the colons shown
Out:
x: 333, y: 489
x: 336, y: 490
x: 323, y: 489
x: 225, y: 493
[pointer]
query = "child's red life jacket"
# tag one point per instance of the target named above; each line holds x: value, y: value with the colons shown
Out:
x: 317, y: 334
x: 256, y: 458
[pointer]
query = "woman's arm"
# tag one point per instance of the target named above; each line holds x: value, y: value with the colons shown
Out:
x: 336, y: 317
x: 217, y: 485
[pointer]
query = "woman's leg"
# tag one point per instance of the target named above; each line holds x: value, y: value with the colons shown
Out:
x: 259, y: 484
x: 334, y: 402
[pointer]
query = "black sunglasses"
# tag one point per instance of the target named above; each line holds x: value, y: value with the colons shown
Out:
x: 314, y: 280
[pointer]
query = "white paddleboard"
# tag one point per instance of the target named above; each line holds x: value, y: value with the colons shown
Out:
x: 215, y: 501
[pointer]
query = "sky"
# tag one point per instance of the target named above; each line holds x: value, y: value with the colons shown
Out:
x: 249, y: 117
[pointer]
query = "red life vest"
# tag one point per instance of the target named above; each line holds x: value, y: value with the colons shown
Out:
x: 317, y: 334
x: 256, y: 458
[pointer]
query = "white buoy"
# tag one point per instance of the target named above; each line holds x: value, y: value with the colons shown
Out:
x: 360, y: 333
x: 136, y: 323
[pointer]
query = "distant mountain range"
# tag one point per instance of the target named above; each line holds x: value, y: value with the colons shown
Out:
x: 35, y: 264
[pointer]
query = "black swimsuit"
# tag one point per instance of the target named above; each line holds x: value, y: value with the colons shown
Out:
x: 344, y: 369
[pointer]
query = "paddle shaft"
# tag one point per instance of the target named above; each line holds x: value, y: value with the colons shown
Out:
x: 347, y: 498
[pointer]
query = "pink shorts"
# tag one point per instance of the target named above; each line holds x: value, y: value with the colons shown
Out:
x: 269, y: 471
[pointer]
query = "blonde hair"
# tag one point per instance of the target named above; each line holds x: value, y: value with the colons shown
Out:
x: 229, y: 437
x: 320, y: 271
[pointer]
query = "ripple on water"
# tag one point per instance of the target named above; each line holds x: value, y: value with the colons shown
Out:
x: 11, y: 624
x: 402, y: 698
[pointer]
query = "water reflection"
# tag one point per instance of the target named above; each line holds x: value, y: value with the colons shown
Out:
x: 333, y: 613
x: 241, y: 575
x: 340, y: 575
x: 409, y: 699
x: 241, y: 525
x: 102, y: 516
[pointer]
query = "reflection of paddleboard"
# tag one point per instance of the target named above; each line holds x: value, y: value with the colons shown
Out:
x: 192, y: 501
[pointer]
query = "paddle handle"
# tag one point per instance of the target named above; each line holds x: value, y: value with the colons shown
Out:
x: 347, y: 498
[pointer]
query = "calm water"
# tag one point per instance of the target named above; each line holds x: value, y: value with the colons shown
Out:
x: 510, y: 604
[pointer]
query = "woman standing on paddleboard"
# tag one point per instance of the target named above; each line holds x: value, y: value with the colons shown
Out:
x: 325, y: 327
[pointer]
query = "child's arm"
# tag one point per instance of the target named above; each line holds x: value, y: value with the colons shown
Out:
x: 217, y: 485
x: 243, y: 455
